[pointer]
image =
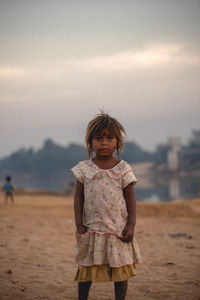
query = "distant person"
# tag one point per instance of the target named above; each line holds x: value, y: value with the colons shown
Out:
x: 8, y: 189
x: 105, y: 211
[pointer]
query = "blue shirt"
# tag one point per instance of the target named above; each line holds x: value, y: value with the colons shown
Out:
x: 8, y: 188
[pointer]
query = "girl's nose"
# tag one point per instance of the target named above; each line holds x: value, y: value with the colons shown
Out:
x: 104, y: 141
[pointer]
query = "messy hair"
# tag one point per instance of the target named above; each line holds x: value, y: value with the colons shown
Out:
x: 100, y: 122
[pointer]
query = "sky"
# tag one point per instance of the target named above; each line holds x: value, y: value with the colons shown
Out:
x: 63, y: 61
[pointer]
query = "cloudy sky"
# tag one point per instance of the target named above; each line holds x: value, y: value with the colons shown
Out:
x: 61, y: 61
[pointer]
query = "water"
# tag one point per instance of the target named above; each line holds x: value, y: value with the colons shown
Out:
x: 169, y: 189
x: 160, y: 189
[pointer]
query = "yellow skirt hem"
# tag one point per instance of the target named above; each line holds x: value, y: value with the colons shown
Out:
x: 104, y: 273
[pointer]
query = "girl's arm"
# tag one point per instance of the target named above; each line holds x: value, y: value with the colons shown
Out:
x: 78, y: 207
x: 129, y: 196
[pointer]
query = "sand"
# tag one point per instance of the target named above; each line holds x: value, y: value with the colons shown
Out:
x: 37, y: 241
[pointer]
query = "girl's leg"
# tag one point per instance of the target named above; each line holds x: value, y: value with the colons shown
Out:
x: 12, y: 198
x: 120, y: 290
x: 83, y: 290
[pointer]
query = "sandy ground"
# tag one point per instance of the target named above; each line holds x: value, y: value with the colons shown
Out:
x: 37, y: 242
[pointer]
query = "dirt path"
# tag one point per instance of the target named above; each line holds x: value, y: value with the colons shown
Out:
x: 37, y: 241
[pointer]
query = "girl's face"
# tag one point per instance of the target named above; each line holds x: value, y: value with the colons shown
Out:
x: 104, y: 144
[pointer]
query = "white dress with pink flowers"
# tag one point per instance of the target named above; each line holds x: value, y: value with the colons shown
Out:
x: 104, y: 215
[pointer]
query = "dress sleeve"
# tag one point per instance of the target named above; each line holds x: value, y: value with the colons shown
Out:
x: 76, y: 170
x: 128, y: 176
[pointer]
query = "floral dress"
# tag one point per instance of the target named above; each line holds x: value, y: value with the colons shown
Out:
x: 101, y: 255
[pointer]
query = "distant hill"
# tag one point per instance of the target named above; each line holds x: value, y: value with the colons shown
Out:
x: 49, y: 167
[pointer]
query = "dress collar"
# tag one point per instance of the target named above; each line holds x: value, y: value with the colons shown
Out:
x: 115, y: 168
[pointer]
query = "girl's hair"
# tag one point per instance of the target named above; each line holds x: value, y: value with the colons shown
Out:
x: 100, y: 122
x: 8, y: 178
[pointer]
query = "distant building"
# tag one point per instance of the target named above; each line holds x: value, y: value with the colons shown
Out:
x: 173, y: 153
x: 187, y: 157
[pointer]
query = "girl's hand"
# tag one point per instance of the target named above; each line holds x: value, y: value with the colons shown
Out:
x: 127, y: 233
x: 81, y: 229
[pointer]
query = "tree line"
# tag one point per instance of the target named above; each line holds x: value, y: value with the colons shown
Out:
x: 52, y: 162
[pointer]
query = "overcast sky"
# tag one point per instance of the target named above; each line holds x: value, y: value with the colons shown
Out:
x: 62, y: 61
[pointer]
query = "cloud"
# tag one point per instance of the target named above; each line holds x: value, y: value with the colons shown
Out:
x: 150, y: 57
x: 10, y: 72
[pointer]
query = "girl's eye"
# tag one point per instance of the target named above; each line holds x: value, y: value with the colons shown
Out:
x: 110, y: 137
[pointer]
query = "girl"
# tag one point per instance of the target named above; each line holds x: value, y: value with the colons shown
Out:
x: 8, y: 189
x: 105, y: 210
